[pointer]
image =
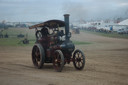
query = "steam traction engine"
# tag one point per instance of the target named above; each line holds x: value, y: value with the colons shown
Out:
x: 53, y: 45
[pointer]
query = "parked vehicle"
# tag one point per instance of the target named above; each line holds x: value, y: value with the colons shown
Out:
x: 75, y: 30
x: 123, y: 31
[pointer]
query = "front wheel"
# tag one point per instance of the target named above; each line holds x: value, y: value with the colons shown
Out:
x: 78, y: 59
x: 58, y: 60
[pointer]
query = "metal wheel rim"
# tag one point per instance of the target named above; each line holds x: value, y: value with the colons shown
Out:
x: 79, y: 59
x: 57, y: 60
x: 36, y: 56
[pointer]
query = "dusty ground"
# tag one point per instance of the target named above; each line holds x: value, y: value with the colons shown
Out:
x: 106, y: 64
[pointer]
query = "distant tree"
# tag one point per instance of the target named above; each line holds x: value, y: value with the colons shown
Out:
x: 2, y: 26
x: 20, y: 25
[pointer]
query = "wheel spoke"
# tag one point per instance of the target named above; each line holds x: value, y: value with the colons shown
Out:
x: 78, y: 64
x: 75, y: 58
x: 81, y: 58
x: 81, y: 62
x: 37, y: 62
x: 59, y: 61
x: 78, y: 54
x: 58, y: 57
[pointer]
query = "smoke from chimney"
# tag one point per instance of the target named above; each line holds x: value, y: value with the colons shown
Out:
x: 77, y: 11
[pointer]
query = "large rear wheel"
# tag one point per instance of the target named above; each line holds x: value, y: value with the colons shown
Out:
x: 79, y: 59
x: 58, y: 60
x: 38, y: 56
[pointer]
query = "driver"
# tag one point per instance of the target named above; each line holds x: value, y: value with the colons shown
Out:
x: 44, y: 31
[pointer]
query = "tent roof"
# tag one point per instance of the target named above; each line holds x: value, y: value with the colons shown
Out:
x: 125, y: 22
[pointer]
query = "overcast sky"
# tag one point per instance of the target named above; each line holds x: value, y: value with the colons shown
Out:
x: 41, y: 10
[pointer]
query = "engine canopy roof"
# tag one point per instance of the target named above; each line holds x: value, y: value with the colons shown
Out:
x: 50, y: 24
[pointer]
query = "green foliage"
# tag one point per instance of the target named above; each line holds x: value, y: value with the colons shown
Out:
x: 14, y: 41
x: 81, y: 43
x: 9, y: 41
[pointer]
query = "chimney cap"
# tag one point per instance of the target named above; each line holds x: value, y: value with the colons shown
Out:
x: 66, y: 14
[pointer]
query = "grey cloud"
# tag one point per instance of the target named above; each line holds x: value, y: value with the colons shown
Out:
x: 97, y: 9
x: 38, y: 10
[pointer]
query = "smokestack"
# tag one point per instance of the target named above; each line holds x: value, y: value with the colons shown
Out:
x: 66, y: 19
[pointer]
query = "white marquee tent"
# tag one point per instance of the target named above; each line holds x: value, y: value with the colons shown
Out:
x: 125, y: 22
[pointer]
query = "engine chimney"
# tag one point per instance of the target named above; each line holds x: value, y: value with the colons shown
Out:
x: 66, y: 19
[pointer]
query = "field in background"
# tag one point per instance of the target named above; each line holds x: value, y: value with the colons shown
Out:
x: 13, y: 40
x: 30, y: 33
